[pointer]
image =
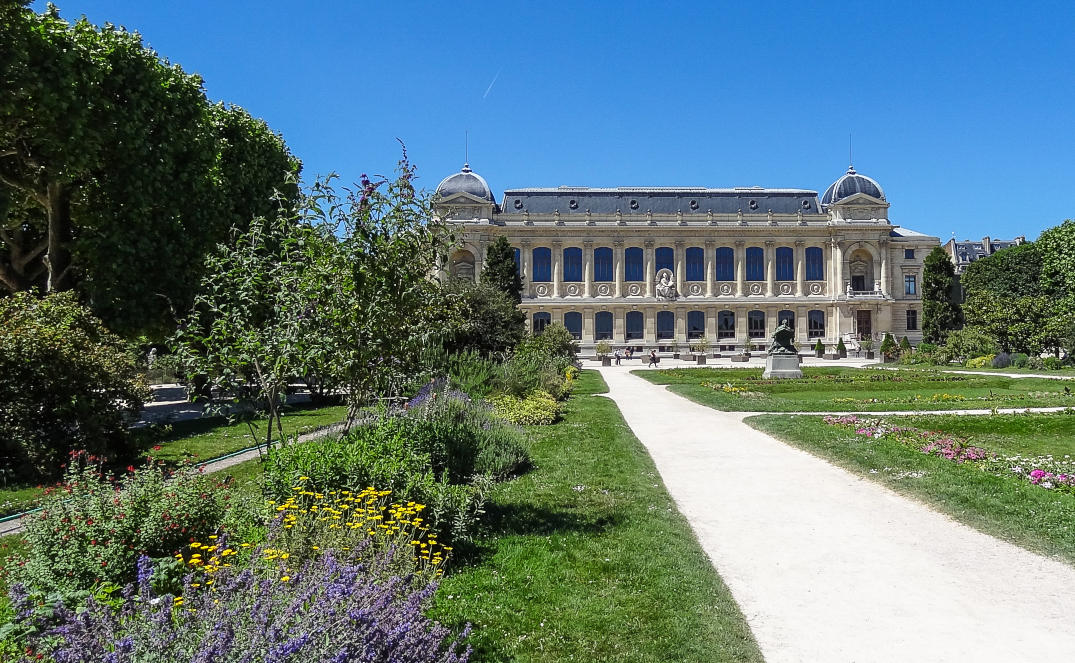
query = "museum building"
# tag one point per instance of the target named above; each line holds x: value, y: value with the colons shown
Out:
x: 665, y: 266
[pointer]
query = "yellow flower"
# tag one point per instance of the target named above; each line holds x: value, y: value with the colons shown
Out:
x: 285, y: 578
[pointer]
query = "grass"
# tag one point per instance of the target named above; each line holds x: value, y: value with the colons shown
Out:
x: 1007, y: 507
x: 1067, y: 372
x: 858, y: 390
x: 588, y: 558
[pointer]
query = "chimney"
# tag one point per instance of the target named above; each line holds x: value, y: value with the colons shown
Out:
x: 987, y: 246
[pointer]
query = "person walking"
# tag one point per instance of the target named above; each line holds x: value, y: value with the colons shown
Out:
x: 653, y: 358
x: 617, y: 357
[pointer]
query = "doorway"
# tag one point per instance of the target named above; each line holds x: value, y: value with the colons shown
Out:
x: 864, y: 324
x: 858, y: 283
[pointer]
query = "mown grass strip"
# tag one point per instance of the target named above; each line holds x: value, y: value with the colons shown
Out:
x: 588, y: 558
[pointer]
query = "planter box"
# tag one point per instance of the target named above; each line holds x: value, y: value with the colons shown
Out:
x: 832, y: 356
x: 843, y: 354
x: 740, y: 358
x: 606, y: 361
x: 819, y: 355
x: 675, y: 355
x: 869, y: 354
x: 700, y: 359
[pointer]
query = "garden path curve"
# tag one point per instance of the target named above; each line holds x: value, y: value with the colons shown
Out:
x: 827, y: 566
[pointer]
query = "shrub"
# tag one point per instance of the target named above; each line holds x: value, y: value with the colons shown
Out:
x: 554, y: 341
x: 1052, y: 363
x: 927, y: 347
x: 603, y: 348
x: 905, y: 346
x: 66, y: 383
x: 539, y: 408
x: 94, y: 529
x: 1003, y: 360
x: 1035, y: 363
x: 526, y: 373
x: 1020, y: 360
x: 471, y: 373
x: 964, y: 343
x: 819, y: 346
x: 980, y: 362
x: 888, y: 347
x: 841, y: 349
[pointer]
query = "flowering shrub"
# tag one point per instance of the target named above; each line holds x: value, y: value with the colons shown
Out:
x: 729, y: 388
x: 539, y: 408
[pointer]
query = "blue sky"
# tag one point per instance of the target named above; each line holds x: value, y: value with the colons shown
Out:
x: 964, y: 112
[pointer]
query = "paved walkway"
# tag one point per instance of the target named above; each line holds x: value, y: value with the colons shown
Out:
x: 828, y: 567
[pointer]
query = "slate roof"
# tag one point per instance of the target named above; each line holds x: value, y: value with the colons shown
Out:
x: 465, y: 181
x: 659, y: 200
x: 849, y: 184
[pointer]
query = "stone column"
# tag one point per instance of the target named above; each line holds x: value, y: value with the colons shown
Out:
x: 840, y: 289
x: 619, y: 257
x: 770, y: 270
x: 711, y: 325
x: 800, y: 269
x: 710, y: 268
x: 557, y: 267
x: 524, y: 266
x: 802, y: 327
x: 588, y: 332
x: 741, y: 325
x: 681, y: 271
x: 618, y: 324
x: 649, y: 267
x: 587, y: 268
x: 649, y: 320
x: 884, y: 267
x: 680, y: 330
x: 740, y: 269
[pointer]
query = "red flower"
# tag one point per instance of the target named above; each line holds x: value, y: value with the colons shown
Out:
x: 130, y: 468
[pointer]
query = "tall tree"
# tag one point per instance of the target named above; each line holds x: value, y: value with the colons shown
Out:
x: 940, y: 313
x: 1008, y: 273
x: 1057, y: 246
x: 115, y: 167
x: 501, y: 270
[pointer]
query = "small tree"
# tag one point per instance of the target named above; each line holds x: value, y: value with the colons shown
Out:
x: 841, y: 349
x: 819, y: 347
x: 888, y: 348
x: 603, y: 349
x: 905, y: 346
x: 700, y: 346
x: 940, y: 313
x: 500, y: 270
x: 867, y: 343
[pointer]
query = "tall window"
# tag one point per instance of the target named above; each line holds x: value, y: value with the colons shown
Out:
x: 602, y: 264
x: 633, y: 269
x: 755, y: 263
x: 573, y: 264
x: 912, y: 319
x: 695, y: 324
x: 815, y: 264
x: 786, y: 315
x: 815, y: 325
x: 726, y: 324
x: 518, y: 261
x: 541, y: 321
x: 695, y: 263
x: 725, y: 264
x: 542, y: 265
x: 666, y: 258
x: 785, y: 263
x: 573, y: 322
x: 634, y: 323
x: 756, y: 324
x: 602, y: 326
x: 910, y: 284
x: 666, y: 321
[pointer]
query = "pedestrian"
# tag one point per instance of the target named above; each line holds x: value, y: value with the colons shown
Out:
x: 653, y: 358
x: 617, y: 357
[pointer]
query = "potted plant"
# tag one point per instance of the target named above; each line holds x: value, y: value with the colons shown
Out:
x: 603, y: 350
x: 888, y: 348
x: 867, y: 345
x: 698, y: 348
x: 819, y: 349
x: 841, y: 349
x: 748, y: 347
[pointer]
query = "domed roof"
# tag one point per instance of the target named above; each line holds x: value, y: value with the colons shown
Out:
x: 849, y: 184
x: 465, y: 181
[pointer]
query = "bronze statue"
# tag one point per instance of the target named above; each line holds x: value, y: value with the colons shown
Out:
x: 782, y: 340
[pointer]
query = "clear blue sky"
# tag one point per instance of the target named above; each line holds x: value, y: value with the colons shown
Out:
x: 964, y: 112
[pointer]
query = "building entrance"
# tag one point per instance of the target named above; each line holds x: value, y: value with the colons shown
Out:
x: 863, y: 325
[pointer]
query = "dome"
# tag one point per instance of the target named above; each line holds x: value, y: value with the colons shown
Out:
x: 465, y: 181
x: 850, y: 184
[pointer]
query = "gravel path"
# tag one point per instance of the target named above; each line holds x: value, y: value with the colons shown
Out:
x: 830, y: 567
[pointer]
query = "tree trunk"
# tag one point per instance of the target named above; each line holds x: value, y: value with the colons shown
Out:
x: 58, y: 258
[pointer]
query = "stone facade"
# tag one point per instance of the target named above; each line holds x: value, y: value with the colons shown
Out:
x: 742, y: 260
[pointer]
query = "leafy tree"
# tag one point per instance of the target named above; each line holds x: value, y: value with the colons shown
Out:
x: 940, y: 313
x: 486, y: 318
x: 554, y: 341
x: 963, y: 344
x: 905, y: 346
x: 113, y: 165
x: 1019, y: 324
x: 889, y: 348
x: 1057, y: 246
x: 500, y: 270
x: 1009, y: 273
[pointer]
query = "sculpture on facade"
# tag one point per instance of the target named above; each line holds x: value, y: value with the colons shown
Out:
x: 665, y: 288
x: 782, y: 340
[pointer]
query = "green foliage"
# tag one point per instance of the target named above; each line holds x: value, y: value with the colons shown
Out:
x: 1057, y: 246
x: 888, y: 348
x: 1053, y: 363
x: 980, y: 362
x: 485, y: 318
x: 526, y: 373
x: 1009, y: 273
x: 554, y: 341
x: 699, y: 346
x: 603, y: 348
x: 94, y: 529
x: 1020, y: 360
x: 819, y: 346
x: 1023, y: 324
x: 471, y: 373
x: 538, y: 408
x: 940, y: 313
x: 966, y: 343
x: 840, y: 347
x: 500, y: 271
x: 867, y: 343
x: 66, y: 383
x: 905, y: 346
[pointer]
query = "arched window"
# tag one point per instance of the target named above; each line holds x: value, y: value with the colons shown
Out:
x: 695, y: 263
x: 726, y: 324
x: 633, y: 269
x: 572, y: 264
x: 725, y: 264
x: 602, y: 264
x: 756, y: 324
x: 542, y: 265
x: 755, y: 263
x: 541, y: 321
x: 785, y: 263
x: 666, y: 258
x: 815, y: 324
x: 602, y: 324
x: 786, y: 315
x: 666, y: 322
x: 635, y: 324
x: 462, y: 265
x: 695, y: 324
x: 573, y: 322
x: 815, y: 264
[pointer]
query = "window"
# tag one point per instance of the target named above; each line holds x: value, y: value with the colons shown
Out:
x: 666, y: 321
x: 815, y: 264
x: 908, y: 254
x: 695, y: 263
x: 755, y: 263
x: 910, y: 284
x: 725, y: 324
x: 542, y: 265
x: 632, y: 264
x: 912, y: 319
x: 815, y: 324
x: 725, y: 264
x: 756, y: 324
x: 541, y: 321
x: 785, y: 263
x: 666, y: 258
x: 695, y: 324
x: 786, y: 316
x: 518, y: 264
x: 634, y: 325
x: 602, y: 264
x: 602, y: 325
x: 572, y: 264
x: 573, y: 322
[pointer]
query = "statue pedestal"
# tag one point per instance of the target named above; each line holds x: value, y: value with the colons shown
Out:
x: 781, y: 366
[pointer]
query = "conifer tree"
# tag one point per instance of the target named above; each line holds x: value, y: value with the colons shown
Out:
x: 500, y: 270
x: 940, y: 313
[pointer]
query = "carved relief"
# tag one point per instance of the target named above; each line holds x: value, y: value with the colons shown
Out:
x: 542, y: 290
x: 603, y: 290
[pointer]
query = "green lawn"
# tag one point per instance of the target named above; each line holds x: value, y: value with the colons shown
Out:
x: 1005, y: 506
x: 588, y: 558
x: 858, y: 390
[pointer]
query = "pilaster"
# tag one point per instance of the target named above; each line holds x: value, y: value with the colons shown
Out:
x: 587, y: 268
x: 619, y: 257
x: 649, y: 268
x: 740, y: 269
x: 557, y: 267
x: 770, y: 271
x: 710, y: 269
x: 800, y: 270
x: 681, y: 272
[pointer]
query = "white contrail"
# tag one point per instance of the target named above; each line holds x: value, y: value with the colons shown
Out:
x: 488, y: 89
